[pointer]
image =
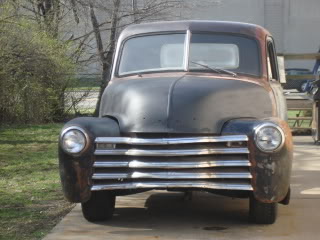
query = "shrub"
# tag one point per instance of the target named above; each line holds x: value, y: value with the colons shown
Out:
x: 35, y: 70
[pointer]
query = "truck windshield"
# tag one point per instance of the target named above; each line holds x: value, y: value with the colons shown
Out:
x: 153, y: 54
x: 221, y: 51
x: 168, y: 52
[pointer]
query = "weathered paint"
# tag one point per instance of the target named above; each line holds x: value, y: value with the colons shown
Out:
x: 76, y: 171
x: 180, y: 103
x: 271, y: 172
x: 250, y: 30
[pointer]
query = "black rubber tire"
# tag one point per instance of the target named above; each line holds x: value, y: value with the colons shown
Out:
x: 262, y: 213
x: 286, y: 200
x: 100, y: 206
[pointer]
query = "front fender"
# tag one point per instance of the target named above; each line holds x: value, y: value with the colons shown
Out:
x: 271, y: 172
x: 76, y: 171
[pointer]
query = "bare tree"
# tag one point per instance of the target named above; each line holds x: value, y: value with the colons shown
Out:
x: 92, y: 26
x: 118, y: 14
x: 105, y: 53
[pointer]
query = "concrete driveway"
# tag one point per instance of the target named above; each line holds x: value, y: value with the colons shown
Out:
x: 167, y: 215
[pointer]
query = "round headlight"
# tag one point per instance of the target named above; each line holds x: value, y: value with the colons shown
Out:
x: 269, y: 137
x: 73, y: 140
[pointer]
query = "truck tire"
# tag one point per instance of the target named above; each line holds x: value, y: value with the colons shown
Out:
x: 100, y: 206
x: 262, y: 213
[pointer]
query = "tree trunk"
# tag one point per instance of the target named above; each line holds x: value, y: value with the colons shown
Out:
x: 106, y: 59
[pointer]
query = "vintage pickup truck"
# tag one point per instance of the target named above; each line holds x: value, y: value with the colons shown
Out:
x: 191, y: 106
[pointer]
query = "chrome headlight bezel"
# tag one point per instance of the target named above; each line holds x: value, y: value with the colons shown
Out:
x: 269, y: 125
x: 82, y: 132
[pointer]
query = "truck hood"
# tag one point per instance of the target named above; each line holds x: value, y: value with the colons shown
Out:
x: 184, y: 104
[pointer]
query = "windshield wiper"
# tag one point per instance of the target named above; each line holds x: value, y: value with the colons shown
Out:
x: 218, y: 70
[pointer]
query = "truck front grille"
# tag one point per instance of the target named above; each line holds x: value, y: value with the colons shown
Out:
x: 215, y: 162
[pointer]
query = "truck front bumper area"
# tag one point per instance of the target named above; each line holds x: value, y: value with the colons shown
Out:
x: 215, y: 162
x: 228, y: 162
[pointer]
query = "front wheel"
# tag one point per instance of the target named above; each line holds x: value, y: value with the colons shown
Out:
x: 262, y: 213
x: 100, y: 206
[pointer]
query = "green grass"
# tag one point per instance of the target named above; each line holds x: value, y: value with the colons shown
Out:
x: 81, y: 112
x: 31, y: 201
x: 94, y: 89
x: 88, y: 81
x: 304, y: 123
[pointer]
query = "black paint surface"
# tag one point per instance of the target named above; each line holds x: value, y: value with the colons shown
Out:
x: 187, y: 104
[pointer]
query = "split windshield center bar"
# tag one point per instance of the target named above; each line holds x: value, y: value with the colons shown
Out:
x: 187, y: 51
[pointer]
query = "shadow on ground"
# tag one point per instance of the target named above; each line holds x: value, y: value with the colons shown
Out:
x: 168, y: 215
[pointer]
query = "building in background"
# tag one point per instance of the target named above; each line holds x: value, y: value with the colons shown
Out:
x: 293, y: 23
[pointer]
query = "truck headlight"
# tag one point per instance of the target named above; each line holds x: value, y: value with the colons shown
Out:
x: 269, y: 137
x: 73, y: 140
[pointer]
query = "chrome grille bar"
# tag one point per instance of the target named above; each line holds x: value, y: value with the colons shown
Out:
x: 176, y: 152
x: 172, y: 175
x: 172, y: 164
x: 212, y: 162
x: 174, y: 184
x: 171, y: 141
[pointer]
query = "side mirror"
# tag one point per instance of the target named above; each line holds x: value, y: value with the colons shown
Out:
x: 282, y: 71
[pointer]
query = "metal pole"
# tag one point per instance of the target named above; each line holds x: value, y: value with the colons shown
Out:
x: 134, y: 10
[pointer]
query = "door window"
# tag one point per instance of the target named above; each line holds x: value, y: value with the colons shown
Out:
x: 273, y: 71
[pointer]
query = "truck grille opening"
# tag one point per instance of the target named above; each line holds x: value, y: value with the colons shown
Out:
x: 205, y: 162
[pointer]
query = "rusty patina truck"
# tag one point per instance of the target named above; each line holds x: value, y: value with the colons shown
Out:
x: 191, y: 106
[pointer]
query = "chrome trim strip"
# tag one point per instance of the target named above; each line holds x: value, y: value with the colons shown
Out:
x: 112, y: 164
x: 169, y: 141
x: 176, y: 152
x: 187, y: 51
x: 175, y: 164
x: 174, y: 184
x: 172, y: 175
